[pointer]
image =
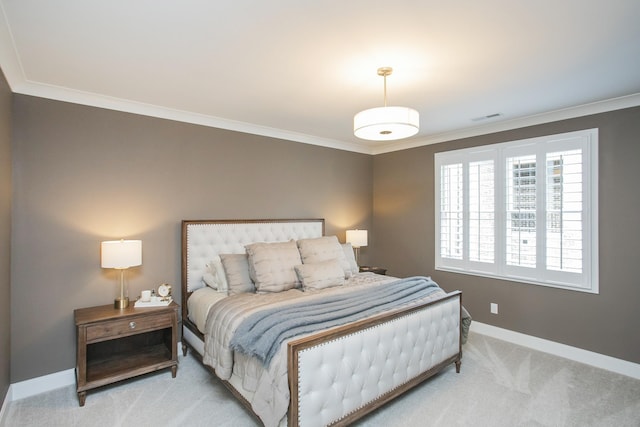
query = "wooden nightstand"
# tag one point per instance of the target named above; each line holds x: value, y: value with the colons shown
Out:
x: 377, y: 270
x: 114, y: 345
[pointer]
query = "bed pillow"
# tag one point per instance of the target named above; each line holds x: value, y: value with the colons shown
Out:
x: 271, y: 266
x: 215, y: 277
x: 351, y: 258
x: 321, y: 275
x: 323, y: 249
x: 210, y: 280
x: 236, y: 269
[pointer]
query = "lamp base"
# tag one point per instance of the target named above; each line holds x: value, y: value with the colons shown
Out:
x: 121, y: 303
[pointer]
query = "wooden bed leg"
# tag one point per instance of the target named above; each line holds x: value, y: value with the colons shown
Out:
x: 458, y: 363
x: 184, y: 349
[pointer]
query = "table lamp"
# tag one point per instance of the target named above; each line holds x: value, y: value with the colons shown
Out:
x: 358, y: 239
x: 121, y: 254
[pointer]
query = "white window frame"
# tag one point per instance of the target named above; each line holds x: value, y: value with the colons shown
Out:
x: 587, y: 142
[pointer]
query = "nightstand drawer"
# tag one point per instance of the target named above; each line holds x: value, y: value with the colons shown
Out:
x: 119, y: 328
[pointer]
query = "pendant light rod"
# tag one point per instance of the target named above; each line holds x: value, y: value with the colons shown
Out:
x: 384, y: 72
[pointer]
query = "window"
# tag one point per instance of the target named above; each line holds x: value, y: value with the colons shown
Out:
x: 523, y: 210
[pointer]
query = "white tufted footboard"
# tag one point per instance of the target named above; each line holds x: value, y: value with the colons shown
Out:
x: 347, y: 372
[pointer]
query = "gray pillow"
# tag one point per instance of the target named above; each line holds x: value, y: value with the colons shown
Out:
x: 271, y: 266
x: 320, y: 275
x: 236, y: 270
x: 323, y: 249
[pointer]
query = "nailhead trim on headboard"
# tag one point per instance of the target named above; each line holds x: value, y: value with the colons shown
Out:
x: 205, y: 240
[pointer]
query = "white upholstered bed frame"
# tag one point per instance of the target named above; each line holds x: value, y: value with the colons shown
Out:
x: 338, y: 375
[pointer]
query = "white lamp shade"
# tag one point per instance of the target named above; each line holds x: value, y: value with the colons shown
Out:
x: 357, y: 238
x: 121, y: 254
x: 386, y: 123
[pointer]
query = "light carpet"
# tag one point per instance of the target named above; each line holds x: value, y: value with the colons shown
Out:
x: 500, y: 384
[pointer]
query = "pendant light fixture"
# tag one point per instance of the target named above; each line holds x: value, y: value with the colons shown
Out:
x: 386, y: 123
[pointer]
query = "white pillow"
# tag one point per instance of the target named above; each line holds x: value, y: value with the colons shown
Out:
x: 320, y: 275
x: 271, y: 265
x: 236, y: 268
x: 351, y: 258
x: 209, y: 279
x: 323, y: 249
x: 215, y: 277
x: 223, y: 285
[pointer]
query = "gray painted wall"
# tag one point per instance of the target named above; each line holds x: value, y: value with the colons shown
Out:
x: 83, y: 175
x: 606, y: 323
x: 5, y: 235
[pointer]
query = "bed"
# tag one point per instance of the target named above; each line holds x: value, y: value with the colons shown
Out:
x: 330, y: 375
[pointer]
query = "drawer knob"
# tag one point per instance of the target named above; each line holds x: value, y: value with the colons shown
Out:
x: 132, y: 325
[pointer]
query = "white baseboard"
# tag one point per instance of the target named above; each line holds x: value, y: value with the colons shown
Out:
x: 5, y: 402
x: 42, y: 384
x: 46, y: 383
x: 598, y: 360
x: 56, y: 380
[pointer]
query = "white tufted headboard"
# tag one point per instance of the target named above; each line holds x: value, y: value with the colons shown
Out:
x: 203, y: 241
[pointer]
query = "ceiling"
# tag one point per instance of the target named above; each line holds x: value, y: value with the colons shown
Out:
x: 300, y: 69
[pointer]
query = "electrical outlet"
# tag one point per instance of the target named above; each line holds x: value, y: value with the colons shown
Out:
x: 494, y: 308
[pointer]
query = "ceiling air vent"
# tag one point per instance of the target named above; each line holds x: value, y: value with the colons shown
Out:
x: 487, y: 117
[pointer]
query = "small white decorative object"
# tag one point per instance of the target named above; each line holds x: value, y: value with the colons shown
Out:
x: 162, y: 299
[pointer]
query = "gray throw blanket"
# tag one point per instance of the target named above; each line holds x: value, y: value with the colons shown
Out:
x: 262, y: 333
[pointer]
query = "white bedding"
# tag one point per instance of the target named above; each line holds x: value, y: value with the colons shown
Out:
x: 268, y: 387
x: 199, y: 304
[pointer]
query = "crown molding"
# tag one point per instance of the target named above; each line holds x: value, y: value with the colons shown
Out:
x: 117, y: 104
x: 19, y: 83
x: 112, y: 103
x: 619, y: 103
